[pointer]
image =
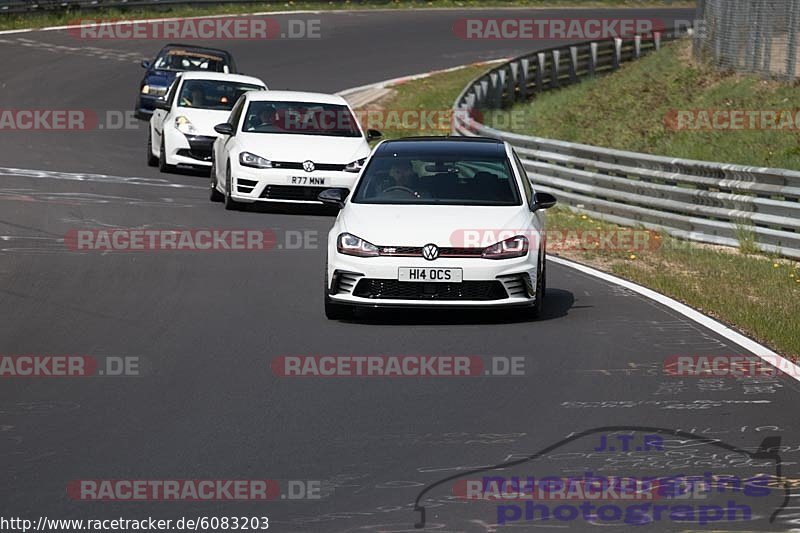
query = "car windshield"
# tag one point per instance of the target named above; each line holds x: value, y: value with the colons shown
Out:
x: 211, y: 94
x: 437, y: 180
x: 301, y: 118
x: 182, y: 60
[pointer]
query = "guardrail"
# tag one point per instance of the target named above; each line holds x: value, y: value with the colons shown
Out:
x: 701, y: 201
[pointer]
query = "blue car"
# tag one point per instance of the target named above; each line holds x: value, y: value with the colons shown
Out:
x: 171, y: 60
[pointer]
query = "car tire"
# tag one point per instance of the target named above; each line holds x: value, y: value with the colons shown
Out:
x: 152, y: 161
x: 162, y: 158
x: 230, y: 203
x: 541, y: 286
x: 215, y: 195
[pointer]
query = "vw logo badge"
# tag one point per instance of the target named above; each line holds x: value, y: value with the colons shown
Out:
x: 430, y: 252
x: 308, y: 166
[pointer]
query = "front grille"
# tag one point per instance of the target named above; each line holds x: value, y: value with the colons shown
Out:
x: 199, y: 155
x: 344, y: 282
x: 416, y: 251
x: 299, y: 166
x: 518, y: 285
x: 391, y: 289
x: 200, y: 147
x: 245, y: 186
x: 291, y: 192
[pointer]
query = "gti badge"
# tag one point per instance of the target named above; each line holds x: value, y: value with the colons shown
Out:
x: 308, y: 166
x: 430, y: 252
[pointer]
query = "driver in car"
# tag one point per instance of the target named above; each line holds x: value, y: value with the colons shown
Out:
x: 195, y: 98
x: 405, y: 179
x: 266, y: 117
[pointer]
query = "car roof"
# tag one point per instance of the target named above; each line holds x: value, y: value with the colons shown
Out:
x: 219, y: 76
x: 422, y: 146
x: 294, y: 96
x: 193, y: 48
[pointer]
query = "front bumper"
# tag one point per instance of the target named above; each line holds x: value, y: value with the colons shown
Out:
x: 276, y: 184
x: 373, y: 282
x: 188, y: 150
x: 199, y: 150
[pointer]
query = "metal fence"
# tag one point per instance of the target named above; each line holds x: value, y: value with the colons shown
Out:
x: 757, y: 36
x: 695, y: 200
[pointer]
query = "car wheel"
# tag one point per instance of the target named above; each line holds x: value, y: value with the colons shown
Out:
x: 230, y: 203
x: 152, y: 161
x: 334, y: 311
x: 541, y: 286
x: 215, y: 195
x: 162, y: 158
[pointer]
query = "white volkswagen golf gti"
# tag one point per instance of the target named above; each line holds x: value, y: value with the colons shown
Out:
x: 439, y: 222
x: 182, y: 125
x: 287, y: 146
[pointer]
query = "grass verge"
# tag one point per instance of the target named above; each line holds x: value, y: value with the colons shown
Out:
x: 63, y: 17
x: 433, y: 95
x: 754, y: 293
x: 633, y: 108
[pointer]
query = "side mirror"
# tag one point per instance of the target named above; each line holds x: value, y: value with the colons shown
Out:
x: 160, y: 103
x: 145, y: 64
x: 543, y: 200
x: 373, y: 134
x: 224, y: 129
x: 333, y: 197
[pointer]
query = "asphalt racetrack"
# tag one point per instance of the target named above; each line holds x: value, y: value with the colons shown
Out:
x: 205, y: 328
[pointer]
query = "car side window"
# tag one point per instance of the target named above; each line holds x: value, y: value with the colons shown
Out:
x: 236, y: 113
x: 526, y: 183
x: 173, y: 90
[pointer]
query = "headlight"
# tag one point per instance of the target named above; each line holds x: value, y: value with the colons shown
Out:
x: 351, y: 245
x: 154, y: 91
x: 185, y: 126
x: 355, y: 166
x: 513, y: 247
x: 246, y: 159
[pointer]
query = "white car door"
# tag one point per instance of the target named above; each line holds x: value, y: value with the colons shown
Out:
x: 160, y: 116
x: 223, y: 143
x: 535, y: 220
